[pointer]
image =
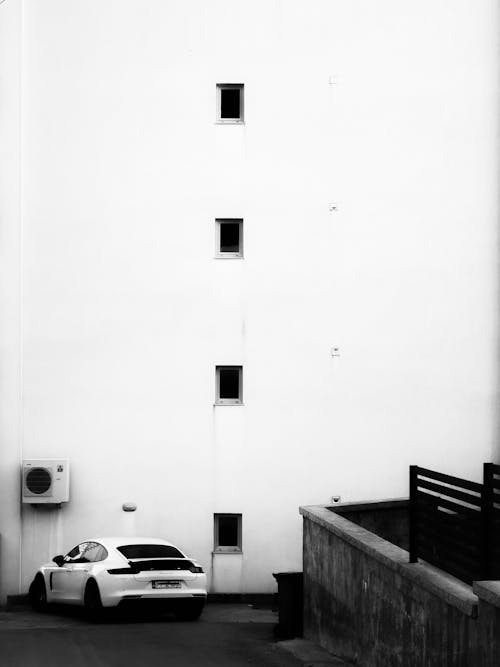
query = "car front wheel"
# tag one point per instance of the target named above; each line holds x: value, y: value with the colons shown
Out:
x: 38, y: 594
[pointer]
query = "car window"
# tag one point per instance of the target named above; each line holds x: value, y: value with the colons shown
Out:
x: 74, y: 553
x: 95, y: 552
x: 149, y: 551
x: 77, y: 555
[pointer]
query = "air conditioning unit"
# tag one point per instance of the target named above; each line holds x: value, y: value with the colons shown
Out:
x: 45, y: 481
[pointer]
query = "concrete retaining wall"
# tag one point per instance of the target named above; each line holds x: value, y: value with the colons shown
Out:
x: 387, y: 519
x: 365, y: 602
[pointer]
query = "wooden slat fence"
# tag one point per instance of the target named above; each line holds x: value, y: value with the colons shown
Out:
x: 491, y: 523
x: 455, y: 523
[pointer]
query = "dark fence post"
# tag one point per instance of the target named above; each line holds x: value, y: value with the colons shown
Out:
x: 486, y: 520
x: 413, y: 514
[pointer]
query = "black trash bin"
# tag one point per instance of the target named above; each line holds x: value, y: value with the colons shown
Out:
x: 290, y: 604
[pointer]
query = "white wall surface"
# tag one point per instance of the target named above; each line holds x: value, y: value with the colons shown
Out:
x: 389, y: 110
x: 10, y: 293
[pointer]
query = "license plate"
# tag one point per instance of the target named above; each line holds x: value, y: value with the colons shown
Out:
x: 166, y: 584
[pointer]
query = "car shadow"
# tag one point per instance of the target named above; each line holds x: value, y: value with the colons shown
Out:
x: 110, y: 616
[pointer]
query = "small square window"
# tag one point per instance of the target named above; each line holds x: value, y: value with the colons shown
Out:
x: 229, y: 385
x: 229, y: 238
x: 227, y: 533
x: 230, y: 102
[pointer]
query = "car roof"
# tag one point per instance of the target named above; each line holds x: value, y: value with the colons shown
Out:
x: 115, y: 542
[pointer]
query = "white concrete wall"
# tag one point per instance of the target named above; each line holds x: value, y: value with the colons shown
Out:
x: 387, y: 109
x: 11, y: 18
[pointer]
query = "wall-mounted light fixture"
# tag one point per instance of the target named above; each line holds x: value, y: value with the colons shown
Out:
x: 129, y: 507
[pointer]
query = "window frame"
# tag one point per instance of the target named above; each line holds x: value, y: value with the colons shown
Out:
x: 219, y: 254
x: 236, y: 549
x: 231, y: 121
x: 228, y: 401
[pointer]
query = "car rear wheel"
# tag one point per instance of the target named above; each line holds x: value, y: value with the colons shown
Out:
x: 92, y: 601
x: 38, y: 594
x: 189, y: 610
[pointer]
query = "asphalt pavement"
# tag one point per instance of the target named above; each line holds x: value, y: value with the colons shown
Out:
x: 227, y: 635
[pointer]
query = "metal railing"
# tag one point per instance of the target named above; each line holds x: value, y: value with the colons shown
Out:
x: 455, y: 523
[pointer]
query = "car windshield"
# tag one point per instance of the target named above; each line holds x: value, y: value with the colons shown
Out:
x: 149, y: 551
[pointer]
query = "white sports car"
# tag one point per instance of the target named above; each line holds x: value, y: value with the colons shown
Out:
x: 113, y: 571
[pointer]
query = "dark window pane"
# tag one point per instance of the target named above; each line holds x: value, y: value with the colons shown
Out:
x: 74, y: 553
x: 230, y: 103
x: 149, y: 551
x: 229, y: 383
x: 230, y: 237
x: 228, y: 531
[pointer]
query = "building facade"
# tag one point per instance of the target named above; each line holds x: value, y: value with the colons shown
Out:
x: 249, y: 261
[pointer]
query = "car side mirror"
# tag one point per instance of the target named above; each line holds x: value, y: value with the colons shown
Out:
x: 58, y: 560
